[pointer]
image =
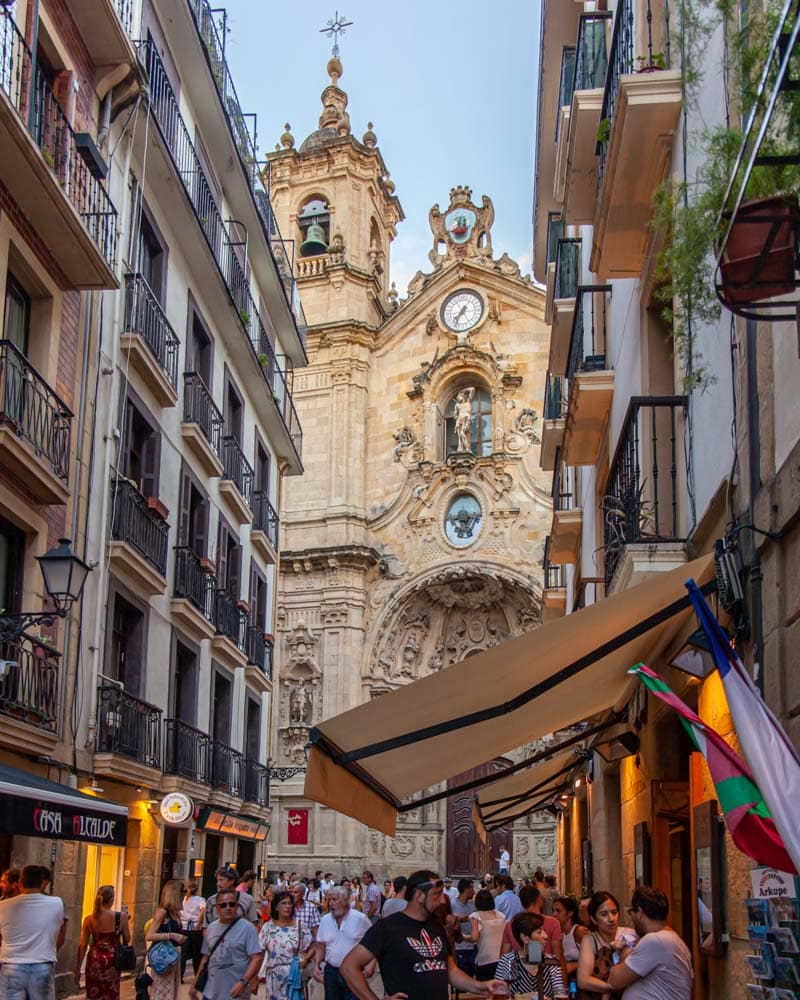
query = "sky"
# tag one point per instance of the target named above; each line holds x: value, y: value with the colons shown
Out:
x: 449, y: 86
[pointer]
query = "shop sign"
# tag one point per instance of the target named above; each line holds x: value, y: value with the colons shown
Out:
x: 176, y: 808
x: 223, y: 823
x: 297, y: 823
x: 38, y: 818
x: 768, y: 883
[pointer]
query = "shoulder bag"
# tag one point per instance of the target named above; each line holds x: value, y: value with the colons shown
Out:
x: 163, y: 954
x: 124, y: 955
x: 202, y: 976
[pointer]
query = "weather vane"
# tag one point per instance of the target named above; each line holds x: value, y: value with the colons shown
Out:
x: 336, y: 26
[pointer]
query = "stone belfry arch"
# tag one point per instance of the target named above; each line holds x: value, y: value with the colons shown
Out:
x: 416, y: 535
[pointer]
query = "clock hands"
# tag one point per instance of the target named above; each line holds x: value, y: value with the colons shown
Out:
x: 460, y: 313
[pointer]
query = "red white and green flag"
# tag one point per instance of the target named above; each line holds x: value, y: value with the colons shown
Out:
x: 746, y: 813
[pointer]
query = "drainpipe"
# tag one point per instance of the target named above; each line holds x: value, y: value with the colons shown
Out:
x: 105, y: 119
x: 754, y: 487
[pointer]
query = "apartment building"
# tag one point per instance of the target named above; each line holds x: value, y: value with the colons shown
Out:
x: 649, y: 426
x: 180, y: 378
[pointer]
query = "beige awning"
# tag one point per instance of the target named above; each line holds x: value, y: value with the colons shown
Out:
x: 365, y: 762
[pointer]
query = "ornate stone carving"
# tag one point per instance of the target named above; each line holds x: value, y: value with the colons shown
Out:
x: 464, y: 229
x: 522, y: 433
x: 463, y: 419
x: 407, y: 450
x: 293, y: 743
x: 402, y: 847
x: 300, y: 704
x: 429, y: 845
x: 545, y: 847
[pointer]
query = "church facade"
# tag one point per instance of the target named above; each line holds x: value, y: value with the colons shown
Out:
x: 416, y: 536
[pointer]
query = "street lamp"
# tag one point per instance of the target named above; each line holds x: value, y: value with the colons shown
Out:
x: 64, y: 576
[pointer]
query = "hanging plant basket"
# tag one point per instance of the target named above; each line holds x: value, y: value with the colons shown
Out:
x: 760, y: 256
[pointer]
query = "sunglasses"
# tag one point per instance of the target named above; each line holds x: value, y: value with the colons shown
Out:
x: 434, y: 884
x: 227, y: 906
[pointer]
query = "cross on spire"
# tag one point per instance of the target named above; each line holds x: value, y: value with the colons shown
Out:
x: 336, y: 26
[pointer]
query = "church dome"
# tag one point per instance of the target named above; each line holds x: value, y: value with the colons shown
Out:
x: 318, y: 139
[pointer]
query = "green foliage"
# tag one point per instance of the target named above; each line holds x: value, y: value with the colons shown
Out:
x: 604, y: 130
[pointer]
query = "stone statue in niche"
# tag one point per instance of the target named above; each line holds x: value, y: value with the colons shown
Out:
x: 409, y: 657
x: 300, y: 705
x: 463, y: 415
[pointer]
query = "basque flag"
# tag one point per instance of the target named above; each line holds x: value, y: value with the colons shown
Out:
x: 746, y: 813
x: 773, y: 760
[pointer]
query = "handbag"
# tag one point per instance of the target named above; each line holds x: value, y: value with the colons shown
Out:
x: 124, y: 955
x: 201, y: 979
x: 162, y: 956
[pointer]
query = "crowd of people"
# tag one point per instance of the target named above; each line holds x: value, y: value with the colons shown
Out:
x: 427, y: 936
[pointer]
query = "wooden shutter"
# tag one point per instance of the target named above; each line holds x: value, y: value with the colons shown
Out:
x: 200, y: 529
x: 124, y: 461
x: 234, y: 582
x: 185, y: 510
x: 151, y: 461
x: 222, y: 554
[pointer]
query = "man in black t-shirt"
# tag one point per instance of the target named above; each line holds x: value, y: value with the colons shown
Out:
x: 412, y: 951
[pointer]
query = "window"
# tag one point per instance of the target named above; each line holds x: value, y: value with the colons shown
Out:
x: 462, y: 523
x: 252, y: 738
x: 233, y: 410
x: 200, y: 347
x: 184, y: 694
x: 152, y: 256
x: 193, y: 521
x: 221, y: 708
x: 475, y: 406
x: 17, y: 323
x: 125, y: 659
x: 140, y: 454
x: 12, y: 562
x: 229, y: 560
x: 258, y: 598
x: 261, y: 469
x: 314, y: 221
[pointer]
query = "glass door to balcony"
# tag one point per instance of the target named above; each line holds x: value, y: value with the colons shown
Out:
x: 17, y: 321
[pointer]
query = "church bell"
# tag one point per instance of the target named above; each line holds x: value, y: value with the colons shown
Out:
x: 314, y: 243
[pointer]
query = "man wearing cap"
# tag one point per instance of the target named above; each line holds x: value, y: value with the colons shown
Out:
x: 449, y: 889
x: 226, y: 879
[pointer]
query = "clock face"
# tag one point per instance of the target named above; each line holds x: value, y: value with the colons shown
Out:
x: 462, y: 310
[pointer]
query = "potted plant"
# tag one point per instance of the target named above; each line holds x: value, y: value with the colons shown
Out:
x: 158, y: 507
x: 263, y: 360
x: 243, y: 606
x: 208, y: 565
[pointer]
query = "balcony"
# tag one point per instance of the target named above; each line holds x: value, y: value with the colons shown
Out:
x: 554, y: 592
x: 643, y: 531
x: 256, y: 783
x: 591, y: 382
x: 230, y: 624
x: 641, y: 108
x: 576, y: 184
x: 128, y: 742
x: 236, y: 485
x: 565, y: 84
x: 565, y: 537
x: 227, y: 775
x: 35, y: 430
x: 148, y: 340
x: 211, y: 37
x: 29, y: 673
x: 566, y: 277
x: 264, y: 531
x: 227, y: 246
x: 259, y: 657
x: 193, y: 605
x: 552, y: 421
x: 45, y: 173
x: 187, y: 758
x: 202, y: 424
x: 139, y: 535
x: 105, y: 27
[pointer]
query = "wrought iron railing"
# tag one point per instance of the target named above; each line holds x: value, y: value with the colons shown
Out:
x: 640, y: 43
x: 227, y: 769
x: 226, y: 246
x: 256, y: 782
x: 50, y: 130
x: 237, y: 468
x: 30, y: 408
x: 566, y: 82
x: 587, y: 347
x: 187, y: 752
x: 29, y: 682
x: 144, y: 315
x: 591, y: 56
x: 553, y: 398
x: 199, y: 408
x: 229, y: 619
x: 553, y: 575
x: 124, y: 10
x: 555, y: 232
x: 563, y: 485
x: 128, y: 726
x: 136, y: 524
x: 195, y: 583
x: 568, y: 268
x: 247, y: 146
x: 643, y: 486
x: 259, y: 649
x: 265, y: 517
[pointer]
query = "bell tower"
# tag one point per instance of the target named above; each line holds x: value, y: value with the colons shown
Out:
x: 333, y: 196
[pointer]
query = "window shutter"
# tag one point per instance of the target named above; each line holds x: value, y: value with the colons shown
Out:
x: 185, y: 510
x: 126, y: 445
x: 151, y: 461
x: 222, y: 555
x: 235, y: 571
x: 200, y: 529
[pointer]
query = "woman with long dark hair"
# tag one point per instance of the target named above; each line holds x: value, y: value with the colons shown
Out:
x: 596, y: 954
x: 103, y: 927
x: 486, y: 930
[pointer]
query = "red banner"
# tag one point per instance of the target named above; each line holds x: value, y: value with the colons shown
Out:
x: 297, y: 826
